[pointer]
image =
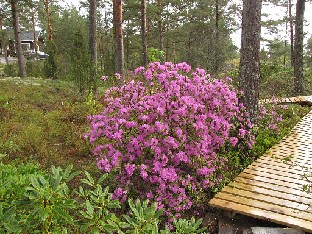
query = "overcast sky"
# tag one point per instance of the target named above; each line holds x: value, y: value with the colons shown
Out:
x: 273, y: 12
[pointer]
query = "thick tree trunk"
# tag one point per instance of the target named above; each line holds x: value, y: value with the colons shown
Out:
x: 119, y: 39
x: 18, y: 45
x: 143, y: 33
x: 291, y: 27
x: 298, y: 49
x: 249, y: 61
x: 92, y: 42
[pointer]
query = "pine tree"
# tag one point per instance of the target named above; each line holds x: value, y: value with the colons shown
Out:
x: 250, y: 60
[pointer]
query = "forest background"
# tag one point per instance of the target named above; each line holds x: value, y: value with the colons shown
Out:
x: 201, y: 33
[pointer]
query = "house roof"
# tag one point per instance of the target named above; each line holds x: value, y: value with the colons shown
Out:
x: 25, y: 36
x: 28, y: 36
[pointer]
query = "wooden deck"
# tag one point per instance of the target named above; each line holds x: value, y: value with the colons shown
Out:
x: 270, y: 189
x: 301, y: 100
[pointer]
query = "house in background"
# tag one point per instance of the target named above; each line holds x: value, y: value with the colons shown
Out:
x: 28, y: 40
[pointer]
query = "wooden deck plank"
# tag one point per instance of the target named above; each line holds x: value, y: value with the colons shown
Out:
x: 303, y: 100
x: 296, y: 191
x: 280, y: 167
x: 277, y: 170
x: 265, y: 204
x: 286, y: 184
x: 270, y: 187
x: 279, y: 179
x: 263, y: 214
x: 272, y: 193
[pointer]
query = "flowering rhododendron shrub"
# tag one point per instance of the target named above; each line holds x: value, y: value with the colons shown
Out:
x: 162, y: 134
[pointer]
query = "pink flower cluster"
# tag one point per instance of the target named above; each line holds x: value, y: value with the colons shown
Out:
x: 269, y: 116
x: 163, y: 134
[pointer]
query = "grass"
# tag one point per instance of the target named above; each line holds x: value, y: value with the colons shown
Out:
x: 45, y: 121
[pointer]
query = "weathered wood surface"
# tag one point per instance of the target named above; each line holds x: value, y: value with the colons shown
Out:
x: 301, y: 100
x: 272, y: 189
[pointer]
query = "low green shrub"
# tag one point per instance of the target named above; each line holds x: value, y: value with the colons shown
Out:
x: 11, y: 70
x: 35, y: 68
x: 34, y: 201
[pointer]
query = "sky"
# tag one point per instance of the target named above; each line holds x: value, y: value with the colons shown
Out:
x: 273, y: 12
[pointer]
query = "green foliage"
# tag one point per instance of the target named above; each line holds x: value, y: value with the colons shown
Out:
x: 144, y: 218
x: 8, y: 221
x: 71, y: 51
x: 184, y: 226
x: 275, y: 80
x: 155, y: 55
x: 2, y: 69
x: 34, y: 68
x: 14, y: 178
x: 4, y: 101
x: 34, y: 201
x: 97, y: 207
x: 50, y: 64
x: 48, y: 201
x: 11, y: 70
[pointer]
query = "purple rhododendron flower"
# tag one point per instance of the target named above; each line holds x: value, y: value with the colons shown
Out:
x: 130, y: 169
x: 233, y: 141
x: 104, y: 78
x: 163, y: 135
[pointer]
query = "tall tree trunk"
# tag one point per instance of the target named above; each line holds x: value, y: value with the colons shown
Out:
x: 249, y: 70
x: 35, y: 34
x: 160, y: 27
x: 92, y: 42
x: 119, y: 39
x: 6, y: 52
x: 114, y: 45
x: 18, y: 45
x: 291, y: 27
x: 216, y: 67
x: 143, y: 33
x: 100, y: 40
x: 298, y: 49
x: 48, y: 13
x: 1, y: 42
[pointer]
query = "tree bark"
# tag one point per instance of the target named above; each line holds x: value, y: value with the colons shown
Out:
x: 18, y: 45
x: 1, y: 42
x: 291, y: 27
x: 119, y: 39
x: 160, y: 26
x: 216, y: 67
x: 47, y: 9
x: 143, y: 33
x: 298, y: 48
x: 249, y: 70
x: 6, y: 53
x: 35, y: 34
x: 92, y: 42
